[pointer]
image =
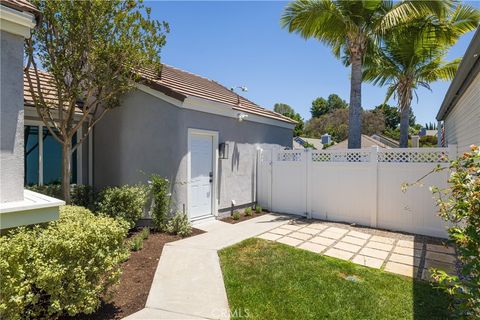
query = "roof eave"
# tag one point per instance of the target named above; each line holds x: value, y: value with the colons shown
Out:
x: 467, y: 71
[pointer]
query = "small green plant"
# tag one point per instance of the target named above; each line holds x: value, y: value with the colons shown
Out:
x: 236, y: 215
x: 145, y: 233
x: 179, y: 225
x: 248, y: 212
x: 136, y: 243
x: 160, y: 189
x: 258, y: 209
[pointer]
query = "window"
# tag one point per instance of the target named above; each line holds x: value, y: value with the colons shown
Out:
x: 46, y: 169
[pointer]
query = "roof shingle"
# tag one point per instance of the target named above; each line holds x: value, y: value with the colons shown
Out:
x: 179, y: 84
x: 20, y: 5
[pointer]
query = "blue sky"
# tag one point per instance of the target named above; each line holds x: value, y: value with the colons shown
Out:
x: 242, y: 43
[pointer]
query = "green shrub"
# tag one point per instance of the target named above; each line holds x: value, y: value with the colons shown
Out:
x: 235, y: 215
x: 258, y: 209
x: 63, y: 267
x: 81, y: 195
x: 248, y: 212
x: 459, y: 206
x: 160, y: 189
x: 180, y: 225
x: 126, y: 202
x: 145, y: 233
x: 136, y: 243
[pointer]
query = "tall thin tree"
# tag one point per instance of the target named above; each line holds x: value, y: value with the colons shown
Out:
x: 90, y: 50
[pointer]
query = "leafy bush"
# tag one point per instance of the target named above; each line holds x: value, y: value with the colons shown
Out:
x: 136, y: 243
x: 248, y: 212
x: 428, y: 141
x: 258, y: 209
x: 126, y: 202
x: 235, y: 215
x: 62, y: 267
x: 459, y: 206
x: 145, y: 233
x: 180, y: 225
x: 81, y: 195
x: 160, y: 189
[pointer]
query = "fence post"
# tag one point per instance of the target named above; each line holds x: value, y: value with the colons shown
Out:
x: 374, y: 187
x: 273, y: 155
x: 308, y: 210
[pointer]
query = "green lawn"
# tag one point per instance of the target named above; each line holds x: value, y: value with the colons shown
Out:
x: 268, y: 280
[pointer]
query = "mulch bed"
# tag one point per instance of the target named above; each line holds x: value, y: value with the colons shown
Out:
x: 131, y: 294
x: 243, y: 217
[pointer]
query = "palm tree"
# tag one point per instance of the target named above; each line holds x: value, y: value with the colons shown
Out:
x: 354, y: 28
x: 348, y: 27
x: 405, y: 63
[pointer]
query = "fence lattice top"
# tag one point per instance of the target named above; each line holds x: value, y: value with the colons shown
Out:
x: 410, y: 155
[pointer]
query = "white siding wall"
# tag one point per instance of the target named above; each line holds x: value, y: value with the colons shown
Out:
x: 462, y: 124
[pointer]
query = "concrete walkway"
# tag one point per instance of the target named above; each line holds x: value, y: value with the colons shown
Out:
x: 188, y: 282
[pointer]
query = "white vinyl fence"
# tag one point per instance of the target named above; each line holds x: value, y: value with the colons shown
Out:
x: 362, y: 186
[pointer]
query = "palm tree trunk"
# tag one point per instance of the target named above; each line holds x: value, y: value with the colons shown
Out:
x: 355, y: 110
x: 66, y: 167
x: 404, y: 126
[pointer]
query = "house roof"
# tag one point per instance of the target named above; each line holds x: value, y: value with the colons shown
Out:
x: 317, y: 143
x: 467, y: 71
x: 180, y: 84
x: 21, y: 5
x: 47, y: 88
x: 367, y: 142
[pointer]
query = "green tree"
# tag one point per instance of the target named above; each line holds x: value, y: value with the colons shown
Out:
x: 320, y: 106
x: 404, y: 63
x: 283, y: 108
x: 335, y: 123
x: 91, y: 49
x: 288, y: 111
x: 392, y: 116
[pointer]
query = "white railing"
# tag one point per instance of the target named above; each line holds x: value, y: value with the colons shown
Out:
x: 360, y: 186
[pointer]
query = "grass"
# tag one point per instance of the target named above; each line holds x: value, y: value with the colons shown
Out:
x: 268, y: 280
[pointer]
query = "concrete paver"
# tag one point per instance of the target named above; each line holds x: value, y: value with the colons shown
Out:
x: 290, y: 241
x: 409, y: 260
x: 368, y: 261
x: 360, y: 235
x: 270, y: 236
x: 374, y: 253
x: 440, y: 248
x: 339, y: 254
x: 323, y: 241
x: 398, y: 268
x: 300, y: 235
x: 442, y: 257
x: 281, y: 231
x: 347, y: 247
x: 408, y: 251
x: 317, y: 248
x: 353, y: 240
x: 379, y: 246
x: 382, y: 239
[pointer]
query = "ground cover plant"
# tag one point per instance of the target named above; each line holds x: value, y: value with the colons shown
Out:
x: 269, y: 280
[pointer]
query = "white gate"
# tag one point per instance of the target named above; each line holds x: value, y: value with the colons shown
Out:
x: 362, y: 186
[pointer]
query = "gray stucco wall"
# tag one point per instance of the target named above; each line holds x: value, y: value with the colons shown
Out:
x: 11, y: 117
x: 148, y: 135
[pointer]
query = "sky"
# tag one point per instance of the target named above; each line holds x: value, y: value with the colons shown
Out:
x: 241, y: 43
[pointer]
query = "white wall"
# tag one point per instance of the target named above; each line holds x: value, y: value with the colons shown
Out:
x: 462, y: 124
x: 356, y: 186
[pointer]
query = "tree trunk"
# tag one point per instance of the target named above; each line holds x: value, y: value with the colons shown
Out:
x: 355, y: 110
x: 404, y: 125
x: 66, y: 168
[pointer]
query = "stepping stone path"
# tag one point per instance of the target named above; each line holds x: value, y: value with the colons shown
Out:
x: 412, y: 258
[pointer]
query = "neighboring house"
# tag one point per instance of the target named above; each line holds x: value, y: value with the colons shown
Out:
x: 386, y: 140
x: 17, y: 206
x: 367, y: 142
x: 460, y: 110
x: 191, y: 130
x: 302, y: 143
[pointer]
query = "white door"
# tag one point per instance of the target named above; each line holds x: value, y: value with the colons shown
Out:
x: 201, y: 175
